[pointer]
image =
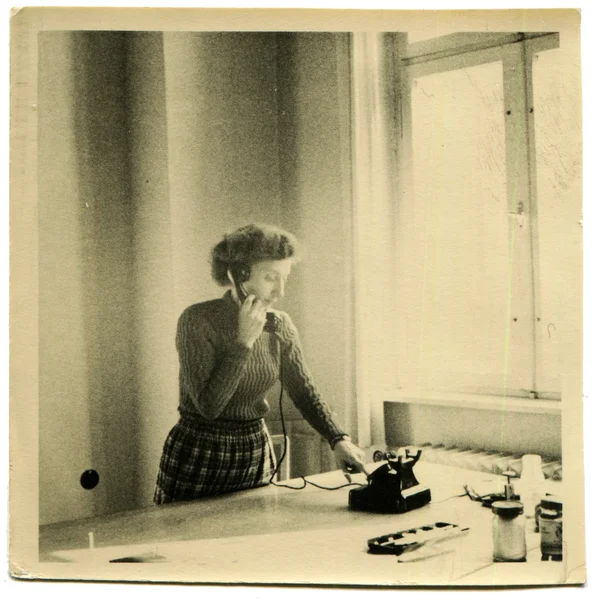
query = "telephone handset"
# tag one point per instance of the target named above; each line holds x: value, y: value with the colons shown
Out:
x: 240, y: 275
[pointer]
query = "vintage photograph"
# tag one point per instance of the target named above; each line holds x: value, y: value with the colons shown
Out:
x: 297, y: 299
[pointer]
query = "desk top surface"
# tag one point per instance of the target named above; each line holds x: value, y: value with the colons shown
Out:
x: 278, y: 535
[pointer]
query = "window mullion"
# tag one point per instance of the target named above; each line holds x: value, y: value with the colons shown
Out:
x: 527, y: 57
x: 520, y: 365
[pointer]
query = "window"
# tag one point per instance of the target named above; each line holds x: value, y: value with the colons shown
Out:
x: 493, y: 182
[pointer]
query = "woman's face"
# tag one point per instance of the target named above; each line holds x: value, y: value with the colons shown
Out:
x: 267, y: 280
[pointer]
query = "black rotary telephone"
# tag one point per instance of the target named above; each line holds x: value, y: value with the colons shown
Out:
x: 240, y: 274
x: 392, y: 487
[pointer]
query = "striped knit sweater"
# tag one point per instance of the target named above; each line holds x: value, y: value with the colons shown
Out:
x: 222, y: 379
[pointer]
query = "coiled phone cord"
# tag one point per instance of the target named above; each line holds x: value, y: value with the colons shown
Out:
x: 306, y: 481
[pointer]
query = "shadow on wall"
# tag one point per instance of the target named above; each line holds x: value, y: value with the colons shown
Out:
x: 106, y: 215
x: 88, y: 394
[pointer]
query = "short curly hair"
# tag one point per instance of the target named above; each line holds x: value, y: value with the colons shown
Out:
x: 248, y: 245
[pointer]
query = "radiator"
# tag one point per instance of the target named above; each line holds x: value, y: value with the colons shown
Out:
x: 481, y: 460
x: 279, y: 445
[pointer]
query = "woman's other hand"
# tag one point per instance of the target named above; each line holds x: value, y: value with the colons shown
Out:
x: 350, y: 459
x: 251, y: 320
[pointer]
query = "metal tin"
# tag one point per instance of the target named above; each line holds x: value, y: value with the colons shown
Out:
x: 550, y: 521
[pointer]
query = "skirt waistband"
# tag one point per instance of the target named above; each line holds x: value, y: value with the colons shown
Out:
x: 221, y: 425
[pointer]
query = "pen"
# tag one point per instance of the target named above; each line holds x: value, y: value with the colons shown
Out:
x: 414, y: 546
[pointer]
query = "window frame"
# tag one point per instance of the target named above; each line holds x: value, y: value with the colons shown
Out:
x: 515, y: 51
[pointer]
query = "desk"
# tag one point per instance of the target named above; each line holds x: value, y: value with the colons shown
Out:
x: 277, y: 535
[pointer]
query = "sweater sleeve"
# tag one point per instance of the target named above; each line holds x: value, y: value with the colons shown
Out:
x: 209, y: 374
x: 301, y: 388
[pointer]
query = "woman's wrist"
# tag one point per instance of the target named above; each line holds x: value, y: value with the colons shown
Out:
x: 342, y: 437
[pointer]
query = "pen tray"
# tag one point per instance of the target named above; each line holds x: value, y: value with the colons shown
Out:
x: 409, y: 539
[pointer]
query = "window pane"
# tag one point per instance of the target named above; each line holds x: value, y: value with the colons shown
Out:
x: 558, y: 123
x: 454, y: 265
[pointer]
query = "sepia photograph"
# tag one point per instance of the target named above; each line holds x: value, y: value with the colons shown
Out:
x: 297, y: 297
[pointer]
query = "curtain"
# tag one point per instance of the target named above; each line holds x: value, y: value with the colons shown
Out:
x: 376, y: 124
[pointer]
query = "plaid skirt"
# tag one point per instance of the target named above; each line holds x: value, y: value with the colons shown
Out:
x: 207, y: 458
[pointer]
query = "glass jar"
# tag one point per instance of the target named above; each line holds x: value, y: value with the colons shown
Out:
x: 550, y: 521
x: 508, y: 532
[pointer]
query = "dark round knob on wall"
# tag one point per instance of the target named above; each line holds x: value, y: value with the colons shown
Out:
x: 89, y: 479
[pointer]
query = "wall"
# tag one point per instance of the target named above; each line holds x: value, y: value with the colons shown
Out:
x: 88, y: 401
x: 151, y: 147
x: 408, y: 425
x: 155, y: 359
x: 315, y: 184
x: 60, y: 274
x: 222, y: 146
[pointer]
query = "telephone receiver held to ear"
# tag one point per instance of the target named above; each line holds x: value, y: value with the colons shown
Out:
x: 240, y: 275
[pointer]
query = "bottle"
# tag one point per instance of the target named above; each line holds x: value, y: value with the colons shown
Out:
x: 531, y: 483
x: 550, y: 521
x: 508, y: 531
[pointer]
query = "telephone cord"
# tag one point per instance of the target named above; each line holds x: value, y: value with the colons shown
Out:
x: 306, y: 481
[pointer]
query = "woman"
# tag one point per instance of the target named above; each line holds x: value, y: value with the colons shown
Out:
x: 229, y: 359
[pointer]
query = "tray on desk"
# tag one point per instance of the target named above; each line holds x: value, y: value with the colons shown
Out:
x: 409, y: 540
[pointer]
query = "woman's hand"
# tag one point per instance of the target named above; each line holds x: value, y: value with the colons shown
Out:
x: 251, y: 320
x: 350, y: 458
